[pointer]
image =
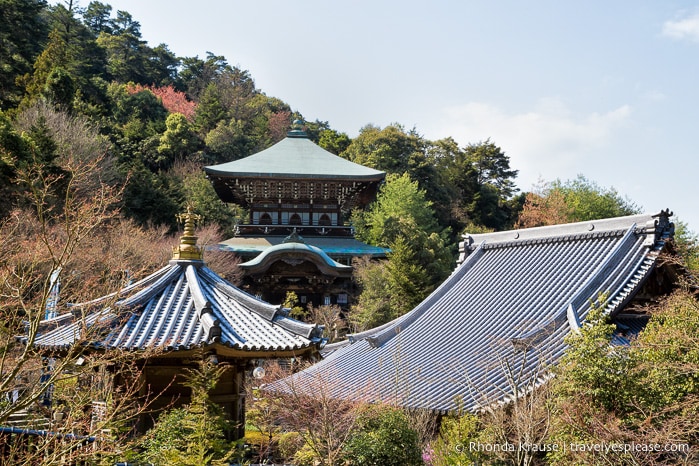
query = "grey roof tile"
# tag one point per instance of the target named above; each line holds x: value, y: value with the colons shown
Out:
x: 182, y: 306
x: 510, y: 302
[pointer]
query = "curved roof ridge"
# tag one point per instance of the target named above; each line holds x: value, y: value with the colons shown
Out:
x: 282, y: 248
x: 275, y: 314
x: 310, y: 331
x: 151, y: 288
x: 144, y: 282
x: 262, y: 308
x: 552, y: 231
x: 205, y: 313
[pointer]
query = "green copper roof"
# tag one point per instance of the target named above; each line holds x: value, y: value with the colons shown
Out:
x: 295, y: 157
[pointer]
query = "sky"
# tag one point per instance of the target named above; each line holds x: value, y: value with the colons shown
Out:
x: 606, y: 89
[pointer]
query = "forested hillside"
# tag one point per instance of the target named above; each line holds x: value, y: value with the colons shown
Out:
x: 165, y: 116
x: 81, y: 85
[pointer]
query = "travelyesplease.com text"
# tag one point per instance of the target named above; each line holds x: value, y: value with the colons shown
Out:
x: 581, y: 447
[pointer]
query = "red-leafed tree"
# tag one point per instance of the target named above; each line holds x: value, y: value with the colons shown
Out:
x: 173, y: 100
x: 278, y: 125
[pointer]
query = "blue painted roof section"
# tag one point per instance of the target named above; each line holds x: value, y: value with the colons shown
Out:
x: 182, y: 306
x: 504, y: 311
x: 331, y: 246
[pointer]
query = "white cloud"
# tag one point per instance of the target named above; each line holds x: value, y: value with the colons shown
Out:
x: 548, y: 141
x: 685, y: 28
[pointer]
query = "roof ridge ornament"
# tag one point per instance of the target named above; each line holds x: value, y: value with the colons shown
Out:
x: 663, y: 226
x: 294, y: 237
x: 297, y: 130
x: 188, y: 249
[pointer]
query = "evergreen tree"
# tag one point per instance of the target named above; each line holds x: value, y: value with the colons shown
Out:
x: 177, y: 142
x: 51, y: 79
x: 22, y: 37
x: 487, y: 186
x: 408, y: 281
x: 373, y: 306
x: 399, y: 207
x: 15, y: 151
x: 400, y: 219
x: 210, y: 110
x: 197, y: 74
x: 334, y: 141
x: 195, y: 434
x: 228, y: 141
x: 388, y: 149
x: 97, y: 18
x: 199, y: 192
x: 150, y: 198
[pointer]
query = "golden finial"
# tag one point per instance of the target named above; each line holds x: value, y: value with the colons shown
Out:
x: 188, y: 249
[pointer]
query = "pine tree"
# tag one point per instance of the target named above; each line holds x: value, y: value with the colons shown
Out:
x: 195, y: 434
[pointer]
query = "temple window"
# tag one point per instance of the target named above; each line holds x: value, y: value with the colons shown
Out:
x: 265, y: 219
x: 324, y: 220
x: 295, y: 219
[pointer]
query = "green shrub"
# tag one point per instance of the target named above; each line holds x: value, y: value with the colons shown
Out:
x: 289, y: 444
x: 383, y: 438
x: 452, y: 445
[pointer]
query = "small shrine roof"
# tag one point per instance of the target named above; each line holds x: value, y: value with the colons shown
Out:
x: 345, y: 247
x: 294, y: 248
x: 296, y: 156
x: 496, y: 325
x: 182, y: 306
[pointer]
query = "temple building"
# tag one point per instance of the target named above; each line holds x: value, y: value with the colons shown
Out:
x: 299, y: 197
x: 183, y: 311
x: 496, y: 325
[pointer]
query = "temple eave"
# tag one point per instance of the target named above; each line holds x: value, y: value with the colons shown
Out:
x: 223, y: 175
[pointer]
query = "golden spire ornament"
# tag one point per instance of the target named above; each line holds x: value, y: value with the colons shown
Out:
x: 188, y: 249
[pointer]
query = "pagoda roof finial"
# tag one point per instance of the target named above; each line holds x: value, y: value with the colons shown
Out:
x: 188, y: 249
x: 297, y: 130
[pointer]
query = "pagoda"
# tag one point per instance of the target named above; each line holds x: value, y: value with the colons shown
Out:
x: 299, y: 197
x: 175, y: 315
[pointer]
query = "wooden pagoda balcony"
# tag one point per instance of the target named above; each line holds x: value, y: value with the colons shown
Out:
x: 303, y: 230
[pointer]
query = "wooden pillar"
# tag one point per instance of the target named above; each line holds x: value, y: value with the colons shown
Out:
x: 230, y: 395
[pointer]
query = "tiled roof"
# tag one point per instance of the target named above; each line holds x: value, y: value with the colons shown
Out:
x: 294, y: 157
x: 628, y: 326
x: 499, y: 320
x: 182, y: 306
